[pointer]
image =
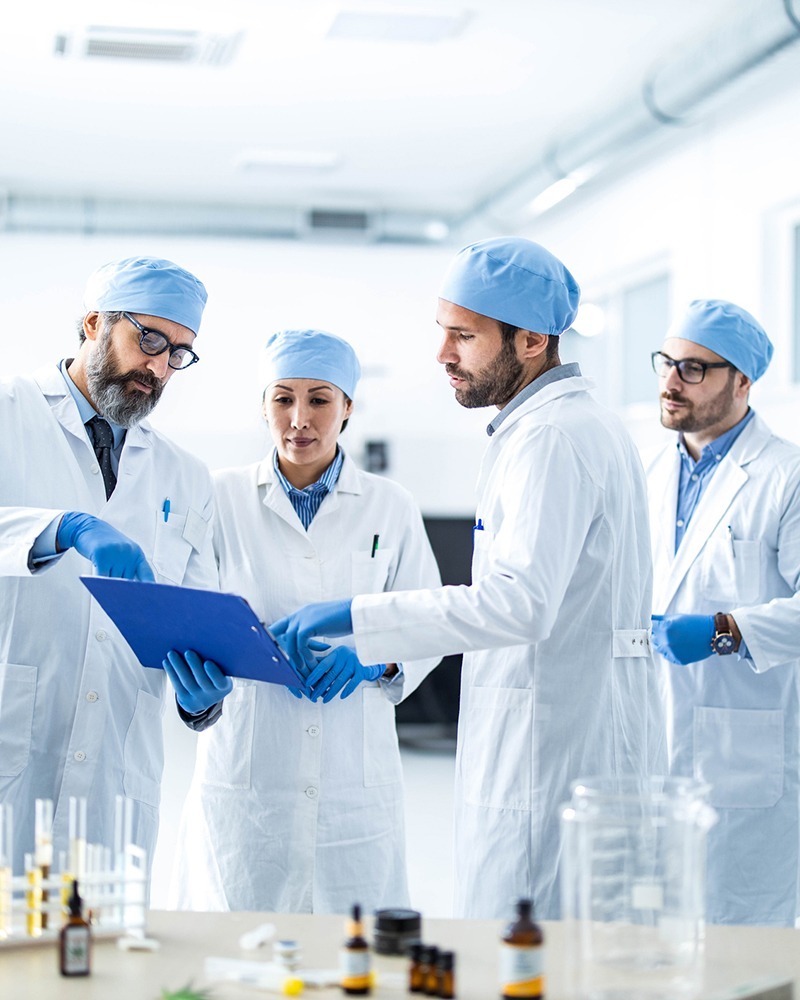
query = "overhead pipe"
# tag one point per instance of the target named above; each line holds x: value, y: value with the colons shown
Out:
x: 672, y: 92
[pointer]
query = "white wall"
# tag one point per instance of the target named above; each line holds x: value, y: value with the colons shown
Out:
x: 717, y: 214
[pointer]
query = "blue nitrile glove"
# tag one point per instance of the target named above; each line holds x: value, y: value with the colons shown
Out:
x: 683, y: 639
x: 340, y: 669
x: 328, y: 618
x: 308, y: 666
x: 198, y: 683
x: 111, y: 552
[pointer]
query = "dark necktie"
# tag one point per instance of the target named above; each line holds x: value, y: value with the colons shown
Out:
x: 103, y: 440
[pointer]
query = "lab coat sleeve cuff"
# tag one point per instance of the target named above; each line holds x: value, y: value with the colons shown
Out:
x: 202, y: 720
x: 393, y: 686
x: 45, y: 548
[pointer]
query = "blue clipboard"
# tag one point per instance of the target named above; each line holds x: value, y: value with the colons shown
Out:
x: 156, y: 617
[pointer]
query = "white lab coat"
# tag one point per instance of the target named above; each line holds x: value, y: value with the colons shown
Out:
x: 736, y: 723
x: 298, y: 806
x: 79, y: 716
x: 558, y: 681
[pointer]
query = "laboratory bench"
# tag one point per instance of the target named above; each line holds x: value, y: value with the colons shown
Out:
x: 740, y: 961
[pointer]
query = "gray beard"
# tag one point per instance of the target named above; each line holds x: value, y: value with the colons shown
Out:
x: 109, y: 390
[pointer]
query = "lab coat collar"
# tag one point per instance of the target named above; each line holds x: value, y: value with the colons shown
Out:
x: 53, y: 387
x: 671, y: 567
x: 349, y: 480
x: 546, y: 378
x: 567, y: 386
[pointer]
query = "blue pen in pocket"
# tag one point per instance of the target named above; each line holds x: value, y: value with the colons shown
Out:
x: 478, y: 526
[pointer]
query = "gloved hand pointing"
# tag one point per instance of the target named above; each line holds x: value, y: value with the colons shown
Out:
x: 198, y: 683
x: 340, y: 669
x: 111, y: 552
x: 683, y: 639
x: 328, y: 618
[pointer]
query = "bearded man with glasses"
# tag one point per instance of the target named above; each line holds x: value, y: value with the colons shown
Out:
x: 725, y: 519
x: 88, y: 485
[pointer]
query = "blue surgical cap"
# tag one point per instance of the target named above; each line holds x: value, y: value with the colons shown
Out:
x: 514, y: 281
x: 729, y: 331
x: 310, y: 354
x: 148, y: 285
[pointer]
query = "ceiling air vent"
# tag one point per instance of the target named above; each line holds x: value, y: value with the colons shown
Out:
x: 332, y: 220
x: 148, y: 45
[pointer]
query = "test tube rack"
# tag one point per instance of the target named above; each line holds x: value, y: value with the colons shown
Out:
x: 114, y: 886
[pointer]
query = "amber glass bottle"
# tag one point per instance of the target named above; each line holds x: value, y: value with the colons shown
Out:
x: 355, y: 958
x: 445, y: 965
x: 75, y: 939
x: 522, y: 957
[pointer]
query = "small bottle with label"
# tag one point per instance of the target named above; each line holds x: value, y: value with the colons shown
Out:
x: 522, y: 957
x: 355, y: 958
x: 75, y: 939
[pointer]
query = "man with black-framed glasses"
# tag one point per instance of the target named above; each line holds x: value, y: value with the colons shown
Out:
x: 725, y: 518
x: 87, y: 485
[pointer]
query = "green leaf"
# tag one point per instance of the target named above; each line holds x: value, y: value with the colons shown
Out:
x: 187, y: 993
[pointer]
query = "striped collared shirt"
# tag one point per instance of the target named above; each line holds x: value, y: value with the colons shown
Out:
x: 306, y: 502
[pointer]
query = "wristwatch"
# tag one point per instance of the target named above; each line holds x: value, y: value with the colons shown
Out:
x: 723, y: 642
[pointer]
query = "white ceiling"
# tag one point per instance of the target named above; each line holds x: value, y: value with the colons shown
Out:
x: 432, y: 128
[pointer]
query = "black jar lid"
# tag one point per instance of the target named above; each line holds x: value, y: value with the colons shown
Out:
x: 397, y: 921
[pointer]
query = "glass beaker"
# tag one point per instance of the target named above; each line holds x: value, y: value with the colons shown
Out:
x: 633, y: 887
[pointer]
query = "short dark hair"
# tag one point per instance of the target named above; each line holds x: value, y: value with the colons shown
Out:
x: 509, y: 332
x: 107, y: 319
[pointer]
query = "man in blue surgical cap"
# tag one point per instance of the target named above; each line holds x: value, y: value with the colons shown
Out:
x: 725, y: 514
x: 89, y: 486
x: 558, y: 679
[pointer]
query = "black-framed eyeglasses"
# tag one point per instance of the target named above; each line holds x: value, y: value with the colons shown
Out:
x: 689, y: 370
x: 154, y: 342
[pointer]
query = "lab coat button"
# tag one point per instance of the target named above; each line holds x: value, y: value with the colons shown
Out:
x: 312, y: 792
x: 79, y: 755
x: 92, y: 696
x: 313, y: 730
x: 95, y: 470
x: 101, y: 635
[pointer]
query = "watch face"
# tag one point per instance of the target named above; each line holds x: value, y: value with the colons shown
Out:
x: 722, y: 644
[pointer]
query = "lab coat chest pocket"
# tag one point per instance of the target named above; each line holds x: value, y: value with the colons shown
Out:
x: 482, y: 540
x: 175, y: 539
x: 142, y: 753
x: 740, y: 753
x: 381, y: 750
x: 369, y: 573
x: 497, y: 759
x: 732, y: 569
x: 17, y: 698
x: 225, y: 750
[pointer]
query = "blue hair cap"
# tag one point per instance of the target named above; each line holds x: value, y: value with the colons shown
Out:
x: 729, y: 331
x: 514, y: 281
x: 311, y: 354
x: 147, y: 285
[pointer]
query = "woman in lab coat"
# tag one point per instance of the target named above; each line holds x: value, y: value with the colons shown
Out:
x: 297, y: 805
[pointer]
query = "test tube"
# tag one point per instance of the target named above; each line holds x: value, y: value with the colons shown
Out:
x: 77, y: 836
x: 6, y: 867
x: 33, y: 897
x: 43, y: 851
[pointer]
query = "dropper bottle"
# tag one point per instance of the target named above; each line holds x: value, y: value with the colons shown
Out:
x: 75, y: 939
x: 355, y: 958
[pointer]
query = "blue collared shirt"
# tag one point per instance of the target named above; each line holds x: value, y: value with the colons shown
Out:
x: 695, y: 476
x: 307, y: 501
x: 571, y: 370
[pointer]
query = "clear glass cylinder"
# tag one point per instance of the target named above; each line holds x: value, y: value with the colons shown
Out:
x: 633, y: 887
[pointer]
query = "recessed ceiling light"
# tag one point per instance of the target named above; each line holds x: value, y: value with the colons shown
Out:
x: 397, y: 25
x: 287, y: 159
